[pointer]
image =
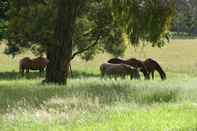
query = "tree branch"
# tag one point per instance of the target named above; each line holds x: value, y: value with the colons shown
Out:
x: 85, y: 49
x: 44, y: 2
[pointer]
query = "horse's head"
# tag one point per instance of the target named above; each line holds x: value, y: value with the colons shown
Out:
x: 163, y: 76
x: 115, y: 61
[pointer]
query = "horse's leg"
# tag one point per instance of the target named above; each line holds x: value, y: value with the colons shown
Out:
x: 40, y: 70
x: 27, y: 71
x: 138, y: 75
x: 148, y: 74
x: 22, y: 72
x: 131, y: 76
x: 152, y: 73
x: 102, y: 76
x: 135, y: 74
x: 115, y: 77
x: 124, y: 76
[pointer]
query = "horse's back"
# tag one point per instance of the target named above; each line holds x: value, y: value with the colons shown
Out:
x: 113, y: 69
x: 39, y: 62
x: 116, y: 60
x: 135, y: 62
x: 24, y: 61
x: 33, y: 64
x: 150, y: 60
x: 150, y: 63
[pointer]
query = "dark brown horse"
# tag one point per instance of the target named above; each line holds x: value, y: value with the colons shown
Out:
x: 132, y: 62
x: 119, y: 70
x: 153, y: 66
x: 27, y: 64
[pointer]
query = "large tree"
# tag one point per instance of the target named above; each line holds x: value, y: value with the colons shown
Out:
x: 66, y: 28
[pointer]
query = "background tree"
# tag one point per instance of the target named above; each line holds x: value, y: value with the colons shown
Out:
x: 186, y: 17
x: 64, y: 29
x: 4, y: 6
x: 145, y: 20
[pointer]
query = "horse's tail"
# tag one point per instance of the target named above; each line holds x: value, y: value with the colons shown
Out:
x: 161, y: 72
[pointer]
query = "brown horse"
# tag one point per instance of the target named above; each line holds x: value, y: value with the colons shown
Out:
x: 132, y: 62
x: 27, y: 64
x: 119, y: 70
x: 153, y: 66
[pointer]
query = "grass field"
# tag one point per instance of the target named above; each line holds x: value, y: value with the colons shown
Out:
x: 89, y: 103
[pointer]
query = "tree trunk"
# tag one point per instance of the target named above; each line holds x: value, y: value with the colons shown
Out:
x: 59, y: 53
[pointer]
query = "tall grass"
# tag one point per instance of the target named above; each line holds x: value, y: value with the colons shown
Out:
x: 98, y: 104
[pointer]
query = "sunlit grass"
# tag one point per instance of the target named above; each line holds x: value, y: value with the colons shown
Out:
x: 89, y: 103
x: 96, y: 104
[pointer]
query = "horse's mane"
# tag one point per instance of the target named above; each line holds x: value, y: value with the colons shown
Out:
x: 134, y: 59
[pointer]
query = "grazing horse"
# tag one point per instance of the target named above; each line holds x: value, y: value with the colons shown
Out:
x: 153, y: 66
x: 27, y: 64
x: 132, y: 62
x: 119, y: 70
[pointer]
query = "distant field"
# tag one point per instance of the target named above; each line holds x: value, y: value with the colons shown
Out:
x: 179, y: 56
x: 89, y: 103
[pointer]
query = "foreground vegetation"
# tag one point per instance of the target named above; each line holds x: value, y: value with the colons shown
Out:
x: 96, y: 104
x: 90, y: 103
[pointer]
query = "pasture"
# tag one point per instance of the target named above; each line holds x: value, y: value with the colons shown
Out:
x: 89, y: 103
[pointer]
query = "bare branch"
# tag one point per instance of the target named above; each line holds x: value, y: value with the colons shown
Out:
x: 85, y: 49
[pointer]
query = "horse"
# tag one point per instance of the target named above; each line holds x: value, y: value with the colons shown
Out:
x: 132, y: 62
x: 153, y: 66
x: 27, y: 64
x: 119, y: 70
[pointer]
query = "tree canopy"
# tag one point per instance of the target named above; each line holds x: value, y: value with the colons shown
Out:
x: 33, y: 27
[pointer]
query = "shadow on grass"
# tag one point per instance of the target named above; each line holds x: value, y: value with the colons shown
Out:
x: 34, y: 75
x: 17, y: 75
x: 79, y: 74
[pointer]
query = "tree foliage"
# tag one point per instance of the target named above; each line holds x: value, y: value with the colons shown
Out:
x: 37, y: 22
x: 145, y: 20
